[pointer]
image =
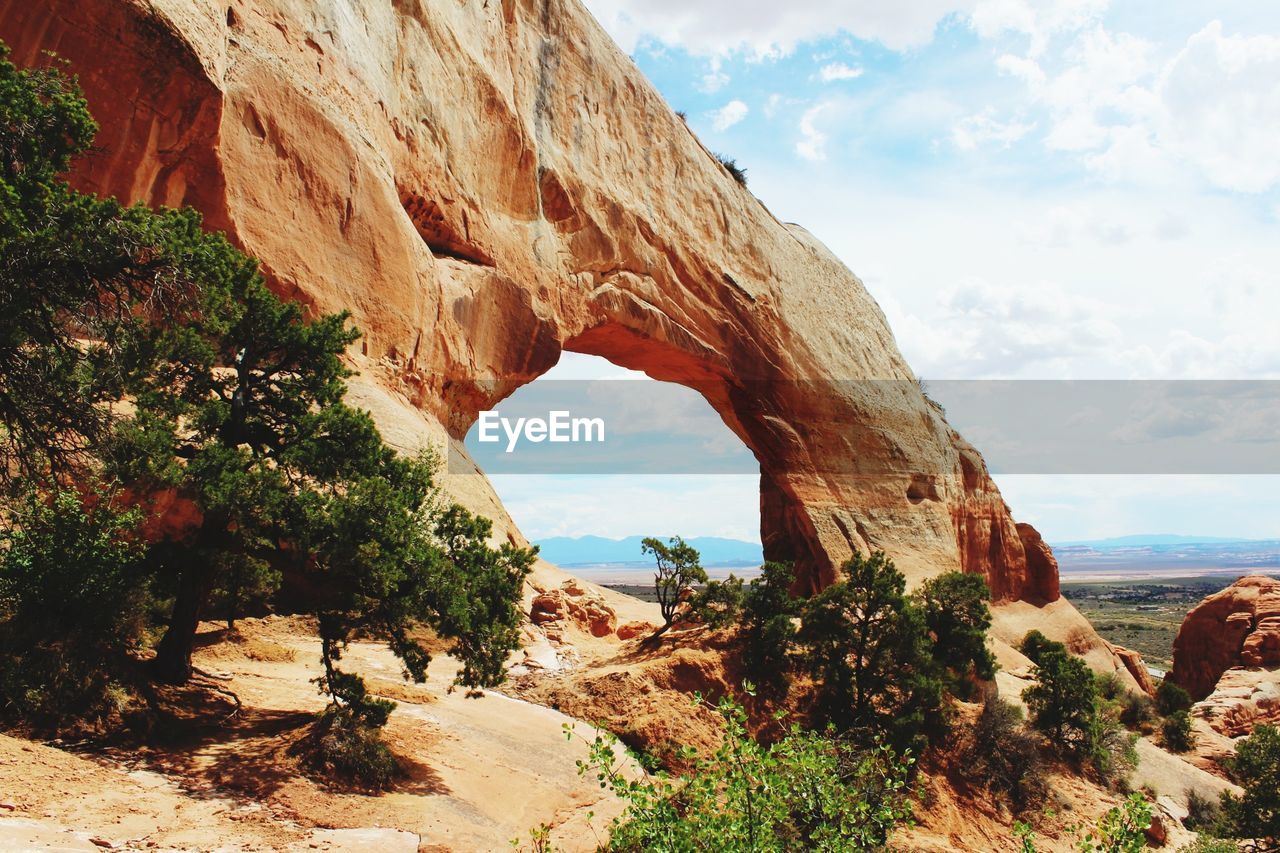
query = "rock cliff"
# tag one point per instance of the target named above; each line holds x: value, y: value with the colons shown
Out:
x: 1237, y: 627
x: 486, y: 184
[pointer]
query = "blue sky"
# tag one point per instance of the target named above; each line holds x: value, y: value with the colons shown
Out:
x: 1030, y: 188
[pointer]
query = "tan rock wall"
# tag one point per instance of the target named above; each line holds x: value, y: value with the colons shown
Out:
x: 485, y: 184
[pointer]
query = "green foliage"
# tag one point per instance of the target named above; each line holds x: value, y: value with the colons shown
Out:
x: 1004, y: 757
x: 1202, y: 813
x: 679, y: 569
x: 1121, y: 830
x: 808, y: 791
x: 1113, y: 752
x: 1137, y: 711
x: 1034, y: 644
x: 1176, y: 732
x: 957, y: 617
x: 718, y: 603
x: 1110, y: 687
x: 738, y: 173
x: 1207, y: 844
x: 869, y: 652
x: 347, y: 748
x: 769, y: 629
x: 1171, y: 698
x: 72, y: 601
x: 73, y: 268
x: 1255, y: 814
x: 1064, y: 701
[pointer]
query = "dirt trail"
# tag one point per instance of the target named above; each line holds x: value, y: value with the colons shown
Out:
x: 481, y: 771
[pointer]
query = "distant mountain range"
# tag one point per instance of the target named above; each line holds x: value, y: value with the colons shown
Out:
x: 597, y: 551
x: 1142, y: 552
x: 1152, y: 552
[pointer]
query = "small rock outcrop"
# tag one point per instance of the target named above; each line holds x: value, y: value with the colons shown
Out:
x: 1237, y: 627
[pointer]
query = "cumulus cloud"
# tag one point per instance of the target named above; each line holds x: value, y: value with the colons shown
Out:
x: 729, y: 115
x: 839, y: 71
x: 767, y: 28
x: 1214, y: 107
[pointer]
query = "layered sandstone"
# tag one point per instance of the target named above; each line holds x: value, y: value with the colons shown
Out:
x: 1237, y: 627
x: 487, y: 184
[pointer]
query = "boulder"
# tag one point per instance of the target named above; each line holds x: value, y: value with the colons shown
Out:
x: 1237, y: 627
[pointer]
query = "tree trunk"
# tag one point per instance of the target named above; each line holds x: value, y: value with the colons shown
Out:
x: 173, y: 654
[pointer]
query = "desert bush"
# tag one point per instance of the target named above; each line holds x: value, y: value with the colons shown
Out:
x: 769, y: 630
x: 1004, y: 757
x: 1137, y: 711
x: 739, y: 174
x: 1208, y: 844
x: 1171, y: 698
x: 718, y: 603
x: 807, y: 791
x: 1110, y: 687
x: 1112, y: 752
x: 345, y: 747
x: 1203, y: 813
x: 73, y: 599
x: 1255, y: 814
x: 1064, y: 701
x: 870, y: 655
x: 1176, y: 733
x: 1034, y: 644
x: 957, y: 617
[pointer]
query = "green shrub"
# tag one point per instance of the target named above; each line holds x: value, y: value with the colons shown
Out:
x: 346, y: 747
x: 718, y: 603
x: 1121, y: 830
x: 1207, y: 844
x: 1176, y: 732
x: 769, y: 630
x: 1137, y: 711
x: 1064, y: 701
x: 1034, y: 644
x: 957, y: 618
x: 1110, y: 687
x: 1113, y: 753
x: 1171, y: 698
x: 1202, y: 812
x: 808, y: 791
x: 870, y: 655
x: 1004, y: 757
x: 73, y: 599
x: 1255, y: 814
x: 738, y: 173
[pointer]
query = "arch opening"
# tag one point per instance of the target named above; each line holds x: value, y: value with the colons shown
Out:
x: 666, y: 463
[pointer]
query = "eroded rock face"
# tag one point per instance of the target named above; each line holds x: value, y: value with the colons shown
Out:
x: 487, y: 184
x: 1237, y: 627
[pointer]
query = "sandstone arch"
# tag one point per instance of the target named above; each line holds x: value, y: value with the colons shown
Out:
x: 485, y: 184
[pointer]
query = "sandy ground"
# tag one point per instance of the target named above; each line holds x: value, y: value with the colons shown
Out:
x: 481, y: 771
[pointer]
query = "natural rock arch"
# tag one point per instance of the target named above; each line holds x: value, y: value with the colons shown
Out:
x: 486, y: 184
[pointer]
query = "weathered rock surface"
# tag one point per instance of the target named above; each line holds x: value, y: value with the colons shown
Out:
x: 487, y: 184
x: 1237, y: 627
x: 1241, y: 700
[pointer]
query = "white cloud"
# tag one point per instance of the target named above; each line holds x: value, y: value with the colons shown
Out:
x: 984, y: 128
x: 813, y: 142
x: 1220, y: 100
x: 715, y: 79
x: 839, y: 71
x: 729, y: 115
x: 1039, y: 20
x: 767, y: 28
x: 1212, y: 110
x: 772, y: 105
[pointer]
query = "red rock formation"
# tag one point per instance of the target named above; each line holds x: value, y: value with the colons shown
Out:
x: 487, y: 184
x: 1237, y: 627
x: 1136, y: 667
